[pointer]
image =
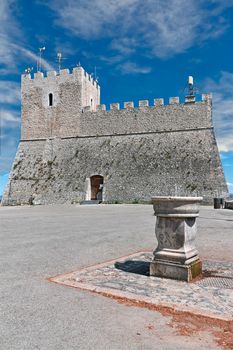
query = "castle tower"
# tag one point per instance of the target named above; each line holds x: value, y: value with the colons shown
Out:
x: 73, y: 149
x: 51, y: 105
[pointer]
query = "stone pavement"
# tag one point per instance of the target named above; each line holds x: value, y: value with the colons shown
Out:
x: 128, y: 277
x: 40, y: 242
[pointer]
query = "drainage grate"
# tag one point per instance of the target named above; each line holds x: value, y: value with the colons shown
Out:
x: 217, y: 282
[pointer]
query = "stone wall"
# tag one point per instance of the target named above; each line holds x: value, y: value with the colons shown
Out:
x: 133, y: 167
x: 69, y: 117
x: 71, y: 93
x: 146, y: 119
x: 140, y: 152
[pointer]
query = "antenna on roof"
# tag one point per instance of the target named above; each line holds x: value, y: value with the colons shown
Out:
x: 39, y: 60
x: 59, y: 60
x: 95, y: 74
x: 28, y: 70
x: 190, y: 85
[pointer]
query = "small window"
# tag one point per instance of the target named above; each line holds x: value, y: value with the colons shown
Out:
x: 50, y: 99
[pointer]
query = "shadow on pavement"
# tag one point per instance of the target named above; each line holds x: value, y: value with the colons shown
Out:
x: 134, y: 266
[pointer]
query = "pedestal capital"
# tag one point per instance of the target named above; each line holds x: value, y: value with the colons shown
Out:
x: 185, y: 207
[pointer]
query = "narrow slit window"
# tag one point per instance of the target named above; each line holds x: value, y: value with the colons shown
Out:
x: 50, y: 99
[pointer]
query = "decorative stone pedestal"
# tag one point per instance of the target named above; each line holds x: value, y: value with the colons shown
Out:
x: 176, y: 256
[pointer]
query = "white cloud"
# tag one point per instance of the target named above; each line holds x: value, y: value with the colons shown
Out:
x: 9, y: 119
x: 29, y: 54
x: 131, y: 68
x: 9, y: 92
x: 165, y: 27
x: 125, y: 45
x: 13, y: 45
x: 222, y: 109
x: 8, y: 146
x: 9, y: 31
x: 11, y: 54
x: 6, y: 57
x: 225, y: 144
x: 91, y: 19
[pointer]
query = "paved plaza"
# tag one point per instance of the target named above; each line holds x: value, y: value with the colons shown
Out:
x: 40, y: 242
x: 128, y: 277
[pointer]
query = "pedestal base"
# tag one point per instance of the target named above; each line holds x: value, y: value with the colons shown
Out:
x: 175, y: 271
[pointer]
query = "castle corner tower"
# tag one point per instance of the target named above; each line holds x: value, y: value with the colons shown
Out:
x: 52, y: 104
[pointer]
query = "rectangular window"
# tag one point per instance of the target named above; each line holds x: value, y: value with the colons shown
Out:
x: 50, y: 99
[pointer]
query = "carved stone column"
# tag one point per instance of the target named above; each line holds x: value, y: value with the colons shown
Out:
x: 176, y: 256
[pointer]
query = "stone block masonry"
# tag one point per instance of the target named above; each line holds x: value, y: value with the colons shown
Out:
x: 71, y: 93
x: 140, y: 152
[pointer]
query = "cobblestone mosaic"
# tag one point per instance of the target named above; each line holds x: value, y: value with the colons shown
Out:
x: 128, y: 277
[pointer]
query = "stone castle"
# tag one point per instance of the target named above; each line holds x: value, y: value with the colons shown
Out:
x: 72, y: 149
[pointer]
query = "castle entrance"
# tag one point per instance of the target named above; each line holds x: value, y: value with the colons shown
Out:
x: 97, y: 187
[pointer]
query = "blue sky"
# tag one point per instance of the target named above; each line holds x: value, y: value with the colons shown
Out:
x: 141, y: 50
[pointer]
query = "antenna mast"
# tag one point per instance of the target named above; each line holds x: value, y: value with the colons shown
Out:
x: 190, y: 86
x: 39, y: 61
x: 59, y: 60
x: 28, y: 70
x: 96, y: 77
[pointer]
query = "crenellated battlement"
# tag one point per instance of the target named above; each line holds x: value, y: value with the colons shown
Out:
x: 140, y: 149
x: 157, y: 102
x: 67, y: 104
x: 77, y: 73
x: 53, y: 101
x: 126, y: 118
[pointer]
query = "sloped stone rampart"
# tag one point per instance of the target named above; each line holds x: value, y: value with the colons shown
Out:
x: 134, y: 167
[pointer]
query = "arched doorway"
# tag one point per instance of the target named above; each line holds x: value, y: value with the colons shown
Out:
x: 97, y: 182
